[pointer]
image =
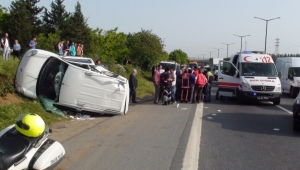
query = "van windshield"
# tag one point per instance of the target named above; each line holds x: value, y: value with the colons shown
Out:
x: 296, y: 71
x: 258, y: 69
x: 170, y: 65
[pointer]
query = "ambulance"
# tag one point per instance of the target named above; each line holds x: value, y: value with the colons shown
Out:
x: 249, y: 76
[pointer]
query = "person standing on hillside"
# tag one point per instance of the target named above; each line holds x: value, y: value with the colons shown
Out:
x: 32, y: 43
x: 61, y: 47
x: 78, y: 50
x: 5, y: 46
x: 133, y: 84
x: 16, y: 49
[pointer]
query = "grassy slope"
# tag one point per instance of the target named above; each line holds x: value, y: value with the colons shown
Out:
x: 8, y: 113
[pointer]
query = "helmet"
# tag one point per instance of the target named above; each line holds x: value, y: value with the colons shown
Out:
x: 31, y: 125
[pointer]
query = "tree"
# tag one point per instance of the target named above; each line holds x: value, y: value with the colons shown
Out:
x: 56, y: 18
x: 179, y: 56
x: 146, y: 48
x: 24, y: 21
x: 4, y: 20
x: 47, y: 42
x: 76, y: 29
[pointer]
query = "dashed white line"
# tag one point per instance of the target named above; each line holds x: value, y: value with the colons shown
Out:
x: 191, y: 155
x: 284, y: 109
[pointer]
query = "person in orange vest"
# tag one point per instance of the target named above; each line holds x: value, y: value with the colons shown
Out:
x: 185, y: 86
x: 199, y: 85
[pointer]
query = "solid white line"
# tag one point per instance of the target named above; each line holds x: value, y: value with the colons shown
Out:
x: 191, y: 155
x: 284, y: 109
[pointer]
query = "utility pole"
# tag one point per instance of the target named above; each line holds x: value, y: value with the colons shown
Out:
x: 227, y: 47
x: 241, y: 40
x: 210, y: 53
x: 267, y: 20
x: 218, y: 50
x: 203, y: 56
x: 245, y: 45
x: 276, y: 47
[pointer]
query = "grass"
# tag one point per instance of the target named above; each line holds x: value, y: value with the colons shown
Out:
x: 9, y: 113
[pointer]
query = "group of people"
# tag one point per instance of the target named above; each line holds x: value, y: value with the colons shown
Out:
x: 16, y: 50
x: 184, y: 85
x: 69, y: 49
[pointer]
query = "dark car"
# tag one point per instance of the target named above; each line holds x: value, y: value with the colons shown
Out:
x: 296, y: 114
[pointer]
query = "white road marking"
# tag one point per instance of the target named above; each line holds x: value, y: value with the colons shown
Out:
x: 209, y: 118
x: 284, y: 109
x: 205, y: 107
x: 219, y: 110
x: 177, y: 105
x: 276, y: 129
x: 191, y: 155
x: 214, y: 114
x: 183, y: 108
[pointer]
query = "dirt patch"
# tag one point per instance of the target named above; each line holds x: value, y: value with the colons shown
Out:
x: 10, y: 99
x: 62, y: 131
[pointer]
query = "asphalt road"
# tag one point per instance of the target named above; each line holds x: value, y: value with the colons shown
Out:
x: 256, y: 135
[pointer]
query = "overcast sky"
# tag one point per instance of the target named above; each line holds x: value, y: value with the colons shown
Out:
x: 199, y: 26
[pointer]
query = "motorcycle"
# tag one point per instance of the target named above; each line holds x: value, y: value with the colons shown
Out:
x: 19, y: 152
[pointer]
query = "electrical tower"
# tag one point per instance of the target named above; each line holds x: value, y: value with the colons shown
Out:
x: 276, y: 47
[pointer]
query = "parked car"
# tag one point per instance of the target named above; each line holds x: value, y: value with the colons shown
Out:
x: 72, y: 82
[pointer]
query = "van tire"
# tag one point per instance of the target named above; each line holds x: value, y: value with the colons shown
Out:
x: 293, y: 92
x: 296, y: 126
x: 276, y: 102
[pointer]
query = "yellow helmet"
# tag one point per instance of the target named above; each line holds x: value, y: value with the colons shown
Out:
x: 31, y: 125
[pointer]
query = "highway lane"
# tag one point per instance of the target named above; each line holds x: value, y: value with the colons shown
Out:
x: 256, y: 135
x: 149, y: 137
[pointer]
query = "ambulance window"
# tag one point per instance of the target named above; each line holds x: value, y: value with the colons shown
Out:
x: 227, y: 68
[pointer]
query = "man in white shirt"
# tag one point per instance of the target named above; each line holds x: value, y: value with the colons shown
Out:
x: 5, y: 46
x: 61, y: 48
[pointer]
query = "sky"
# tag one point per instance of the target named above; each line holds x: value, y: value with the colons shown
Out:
x: 198, y: 27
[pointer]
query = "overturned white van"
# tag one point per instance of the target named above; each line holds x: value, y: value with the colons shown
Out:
x: 72, y: 82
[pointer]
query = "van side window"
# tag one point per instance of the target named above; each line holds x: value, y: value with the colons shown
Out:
x: 290, y: 73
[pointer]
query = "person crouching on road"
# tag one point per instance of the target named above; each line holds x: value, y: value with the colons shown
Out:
x: 156, y: 83
x: 210, y: 78
x: 133, y: 84
x: 199, y: 85
x: 185, y: 86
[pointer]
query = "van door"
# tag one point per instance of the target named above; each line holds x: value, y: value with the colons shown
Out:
x: 88, y: 90
x: 228, y: 78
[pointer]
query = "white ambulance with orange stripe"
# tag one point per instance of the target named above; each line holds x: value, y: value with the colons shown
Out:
x: 249, y: 75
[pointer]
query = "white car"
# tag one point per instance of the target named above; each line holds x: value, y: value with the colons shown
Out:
x: 72, y: 82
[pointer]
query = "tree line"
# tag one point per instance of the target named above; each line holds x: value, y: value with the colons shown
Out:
x: 24, y: 19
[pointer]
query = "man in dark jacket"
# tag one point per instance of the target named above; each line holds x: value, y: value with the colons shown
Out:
x: 133, y: 84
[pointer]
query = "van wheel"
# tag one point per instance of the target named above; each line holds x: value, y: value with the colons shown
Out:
x: 293, y: 92
x: 296, y: 126
x: 276, y: 102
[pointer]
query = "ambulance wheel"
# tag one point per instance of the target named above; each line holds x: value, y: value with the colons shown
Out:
x: 239, y: 98
x: 296, y: 126
x: 276, y: 102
